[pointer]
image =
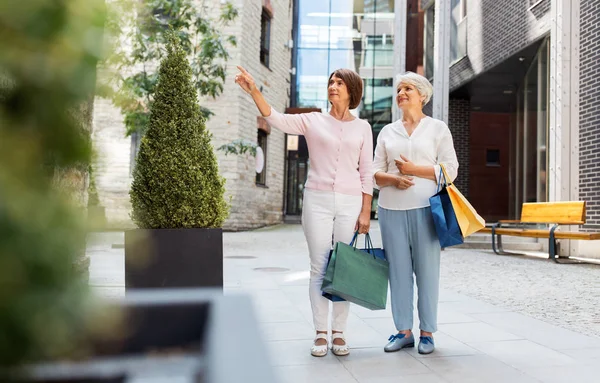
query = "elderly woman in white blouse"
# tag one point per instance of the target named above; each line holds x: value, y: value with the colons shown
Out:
x: 407, y: 163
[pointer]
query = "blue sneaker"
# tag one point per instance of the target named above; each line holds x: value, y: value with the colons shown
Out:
x: 426, y: 345
x: 398, y: 342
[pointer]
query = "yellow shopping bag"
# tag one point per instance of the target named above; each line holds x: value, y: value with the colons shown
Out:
x: 468, y: 219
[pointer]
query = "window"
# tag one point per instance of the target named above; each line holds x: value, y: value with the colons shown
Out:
x: 265, y: 37
x: 261, y: 178
x: 379, y: 51
x: 428, y: 41
x: 458, y: 30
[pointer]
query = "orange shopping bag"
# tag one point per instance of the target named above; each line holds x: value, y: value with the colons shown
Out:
x: 468, y: 219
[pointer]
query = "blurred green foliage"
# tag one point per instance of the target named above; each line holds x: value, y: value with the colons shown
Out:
x: 239, y: 147
x: 48, y: 55
x: 199, y: 26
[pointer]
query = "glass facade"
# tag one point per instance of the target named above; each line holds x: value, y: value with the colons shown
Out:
x: 354, y: 34
x: 334, y: 34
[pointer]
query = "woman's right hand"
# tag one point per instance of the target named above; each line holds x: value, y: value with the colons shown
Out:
x: 403, y: 182
x: 245, y: 80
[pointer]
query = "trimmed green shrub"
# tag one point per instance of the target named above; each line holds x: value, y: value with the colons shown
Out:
x: 176, y: 180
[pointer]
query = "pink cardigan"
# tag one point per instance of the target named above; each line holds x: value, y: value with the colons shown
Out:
x: 341, y: 152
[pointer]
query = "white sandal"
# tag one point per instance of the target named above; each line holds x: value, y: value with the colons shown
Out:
x: 322, y: 349
x: 339, y: 350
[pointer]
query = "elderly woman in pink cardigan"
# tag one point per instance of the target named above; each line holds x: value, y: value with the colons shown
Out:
x: 339, y: 188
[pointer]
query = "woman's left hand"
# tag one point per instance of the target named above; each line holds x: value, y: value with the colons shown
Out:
x: 363, y: 224
x: 405, y: 166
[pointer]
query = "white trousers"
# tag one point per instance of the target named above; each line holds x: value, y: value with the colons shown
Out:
x: 327, y: 218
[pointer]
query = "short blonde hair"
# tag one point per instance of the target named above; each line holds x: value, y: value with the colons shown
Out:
x: 423, y: 85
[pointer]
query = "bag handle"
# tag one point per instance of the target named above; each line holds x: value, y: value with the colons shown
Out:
x: 353, y: 242
x: 437, y: 189
x: 446, y: 176
x: 443, y: 174
x: 368, y: 243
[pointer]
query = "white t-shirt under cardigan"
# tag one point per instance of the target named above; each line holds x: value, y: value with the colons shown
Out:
x: 430, y: 144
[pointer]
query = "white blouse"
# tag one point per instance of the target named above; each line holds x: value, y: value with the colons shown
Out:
x: 430, y: 144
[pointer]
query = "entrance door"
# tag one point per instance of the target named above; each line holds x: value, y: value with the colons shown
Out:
x: 489, y: 164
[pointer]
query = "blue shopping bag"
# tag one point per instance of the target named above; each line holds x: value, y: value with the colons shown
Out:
x: 377, y: 252
x: 444, y: 218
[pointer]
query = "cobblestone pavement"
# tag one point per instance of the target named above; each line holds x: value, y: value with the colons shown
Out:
x: 567, y: 295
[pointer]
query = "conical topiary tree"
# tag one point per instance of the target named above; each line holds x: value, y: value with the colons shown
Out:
x: 176, y: 181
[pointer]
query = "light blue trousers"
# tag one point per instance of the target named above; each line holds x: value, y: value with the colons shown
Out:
x: 412, y: 247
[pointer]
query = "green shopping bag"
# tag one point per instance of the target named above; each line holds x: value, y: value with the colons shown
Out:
x: 358, y: 276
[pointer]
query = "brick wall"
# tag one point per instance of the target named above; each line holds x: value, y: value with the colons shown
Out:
x: 458, y: 122
x: 589, y: 112
x: 496, y: 30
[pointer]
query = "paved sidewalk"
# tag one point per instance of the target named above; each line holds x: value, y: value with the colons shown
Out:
x: 477, y: 342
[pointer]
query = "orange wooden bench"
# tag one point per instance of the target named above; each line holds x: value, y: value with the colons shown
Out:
x: 551, y: 214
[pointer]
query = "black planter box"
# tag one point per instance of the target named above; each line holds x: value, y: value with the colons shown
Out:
x: 160, y: 258
x: 172, y: 335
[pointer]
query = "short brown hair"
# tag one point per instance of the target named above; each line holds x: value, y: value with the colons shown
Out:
x: 353, y: 82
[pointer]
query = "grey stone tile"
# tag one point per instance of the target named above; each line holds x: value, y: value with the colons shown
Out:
x: 451, y: 296
x: 296, y: 353
x: 475, y: 369
x: 476, y: 332
x: 107, y: 268
x: 523, y: 354
x: 314, y: 373
x: 287, y: 331
x: 446, y: 316
x: 417, y: 378
x: 366, y: 313
x: 584, y: 354
x: 384, y: 327
x: 277, y: 315
x: 445, y: 345
x: 297, y: 277
x: 374, y: 362
x: 306, y: 312
x: 256, y: 283
x: 269, y: 299
x: 296, y: 294
x: 231, y: 285
x: 470, y: 306
x: 562, y: 374
x: 360, y: 334
x: 538, y: 331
